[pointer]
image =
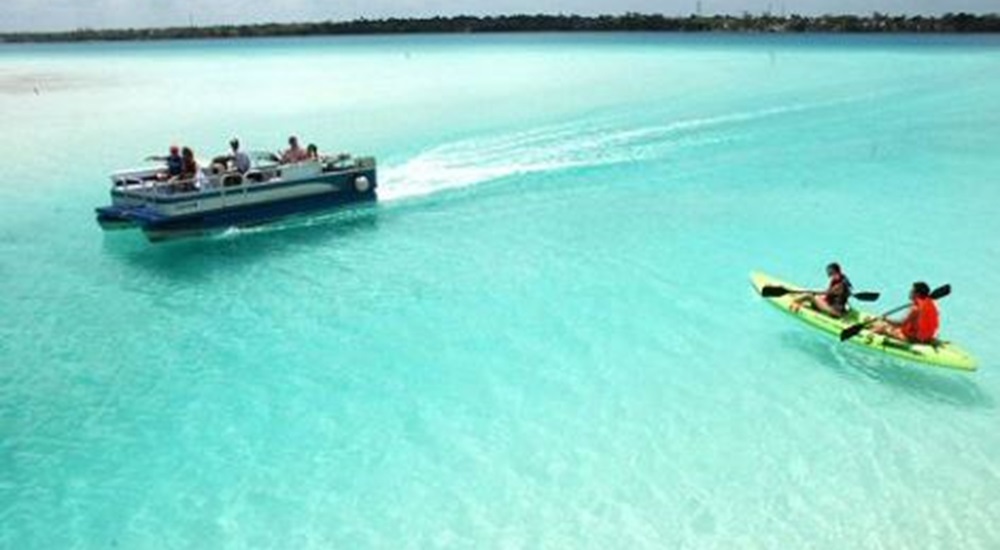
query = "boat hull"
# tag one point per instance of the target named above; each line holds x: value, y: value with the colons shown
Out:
x: 251, y: 215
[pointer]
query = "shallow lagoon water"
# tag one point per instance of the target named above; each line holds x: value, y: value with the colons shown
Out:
x: 543, y: 335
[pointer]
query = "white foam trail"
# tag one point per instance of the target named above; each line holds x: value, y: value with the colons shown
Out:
x: 468, y: 162
x: 472, y: 161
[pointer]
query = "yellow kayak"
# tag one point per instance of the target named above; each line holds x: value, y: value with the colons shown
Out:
x: 939, y: 354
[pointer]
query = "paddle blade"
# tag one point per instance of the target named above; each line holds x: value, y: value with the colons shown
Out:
x: 770, y: 291
x: 851, y: 332
x: 866, y: 296
x: 940, y: 292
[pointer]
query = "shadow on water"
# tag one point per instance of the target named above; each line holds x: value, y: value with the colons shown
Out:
x: 928, y: 383
x: 240, y: 247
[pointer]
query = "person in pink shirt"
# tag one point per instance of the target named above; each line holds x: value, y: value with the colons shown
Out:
x: 295, y: 152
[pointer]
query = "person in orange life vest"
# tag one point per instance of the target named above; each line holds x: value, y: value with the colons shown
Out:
x: 834, y: 301
x: 920, y: 324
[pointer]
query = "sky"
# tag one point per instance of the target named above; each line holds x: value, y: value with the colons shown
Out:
x: 46, y: 15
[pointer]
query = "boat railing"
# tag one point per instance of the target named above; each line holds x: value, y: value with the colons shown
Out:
x: 364, y: 163
x: 146, y: 184
x: 153, y: 187
x: 150, y: 188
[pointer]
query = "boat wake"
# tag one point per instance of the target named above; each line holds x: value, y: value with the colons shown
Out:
x: 478, y: 160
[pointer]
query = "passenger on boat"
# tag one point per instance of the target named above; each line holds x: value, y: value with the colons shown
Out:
x: 241, y: 160
x: 312, y: 152
x: 921, y: 322
x: 236, y: 160
x: 191, y: 176
x: 173, y: 160
x: 294, y: 153
x: 189, y: 166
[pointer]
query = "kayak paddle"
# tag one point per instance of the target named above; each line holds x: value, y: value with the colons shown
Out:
x: 855, y: 329
x: 774, y: 291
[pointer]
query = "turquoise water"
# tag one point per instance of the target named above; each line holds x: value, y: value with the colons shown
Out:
x: 544, y: 333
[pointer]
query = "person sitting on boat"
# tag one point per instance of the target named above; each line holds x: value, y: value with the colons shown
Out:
x: 173, y: 160
x: 833, y: 302
x: 236, y: 160
x: 294, y: 153
x: 920, y: 324
x: 191, y: 176
x: 312, y: 152
x: 241, y: 160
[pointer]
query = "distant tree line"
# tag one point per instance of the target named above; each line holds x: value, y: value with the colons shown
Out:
x: 747, y: 23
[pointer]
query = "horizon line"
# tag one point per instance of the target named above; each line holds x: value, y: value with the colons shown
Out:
x: 345, y: 23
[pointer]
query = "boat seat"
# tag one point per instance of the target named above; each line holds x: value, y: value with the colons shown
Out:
x: 232, y: 179
x: 128, y: 180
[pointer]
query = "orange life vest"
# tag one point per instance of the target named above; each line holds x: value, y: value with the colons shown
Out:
x: 921, y: 325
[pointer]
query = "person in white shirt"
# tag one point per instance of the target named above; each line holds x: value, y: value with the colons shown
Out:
x: 241, y: 161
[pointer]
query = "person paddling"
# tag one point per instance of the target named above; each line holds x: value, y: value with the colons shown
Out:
x: 920, y: 324
x: 833, y: 302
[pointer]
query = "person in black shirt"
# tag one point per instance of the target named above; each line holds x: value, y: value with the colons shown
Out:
x: 175, y: 164
x: 833, y: 302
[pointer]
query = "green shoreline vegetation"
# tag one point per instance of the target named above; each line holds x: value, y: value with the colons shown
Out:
x: 746, y: 23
